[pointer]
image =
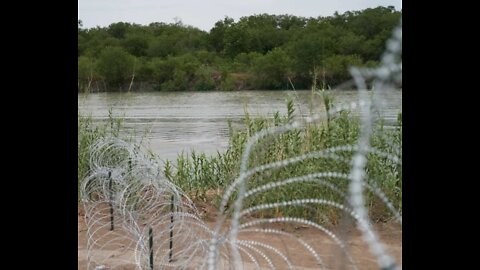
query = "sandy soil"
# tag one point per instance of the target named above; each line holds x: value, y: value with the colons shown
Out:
x: 332, y: 257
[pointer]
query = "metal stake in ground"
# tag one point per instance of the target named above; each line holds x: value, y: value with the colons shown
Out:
x: 170, y: 255
x: 110, y: 183
x: 150, y: 246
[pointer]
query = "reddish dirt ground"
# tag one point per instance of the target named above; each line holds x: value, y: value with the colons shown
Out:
x: 333, y: 258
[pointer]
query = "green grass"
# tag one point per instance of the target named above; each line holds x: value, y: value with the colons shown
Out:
x: 201, y: 176
x: 88, y: 133
x: 204, y: 178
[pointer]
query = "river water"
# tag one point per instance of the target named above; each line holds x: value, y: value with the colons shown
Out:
x: 172, y: 122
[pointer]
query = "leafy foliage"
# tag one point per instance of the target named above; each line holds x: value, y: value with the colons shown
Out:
x: 267, y: 50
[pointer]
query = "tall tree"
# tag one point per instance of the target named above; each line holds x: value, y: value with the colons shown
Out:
x: 115, y: 65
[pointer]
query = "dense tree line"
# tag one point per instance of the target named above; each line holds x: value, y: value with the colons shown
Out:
x: 256, y: 52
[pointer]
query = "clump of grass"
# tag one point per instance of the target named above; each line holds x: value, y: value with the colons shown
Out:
x: 201, y: 176
x: 88, y: 133
x: 204, y: 178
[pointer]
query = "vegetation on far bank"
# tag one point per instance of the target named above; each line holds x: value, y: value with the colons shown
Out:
x: 256, y: 52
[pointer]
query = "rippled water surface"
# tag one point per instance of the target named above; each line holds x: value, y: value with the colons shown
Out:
x: 182, y: 121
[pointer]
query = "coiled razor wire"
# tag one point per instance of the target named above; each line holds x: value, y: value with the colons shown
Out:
x: 388, y: 73
x: 136, y: 217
